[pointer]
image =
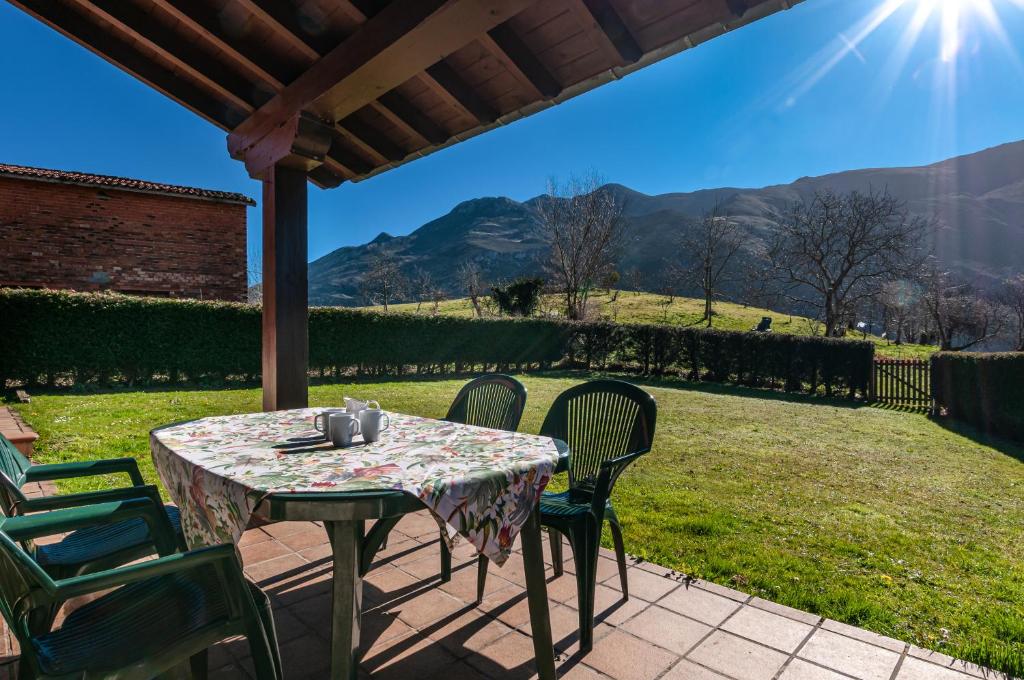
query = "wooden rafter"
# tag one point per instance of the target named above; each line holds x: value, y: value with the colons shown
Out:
x: 402, y: 40
x: 512, y: 52
x: 443, y: 79
x: 280, y: 28
x: 141, y: 27
x: 605, y: 25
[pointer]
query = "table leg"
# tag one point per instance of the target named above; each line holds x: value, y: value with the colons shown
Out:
x: 537, y: 597
x: 346, y: 541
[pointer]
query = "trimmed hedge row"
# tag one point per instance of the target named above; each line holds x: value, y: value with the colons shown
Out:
x: 985, y: 390
x: 789, y: 362
x: 52, y: 335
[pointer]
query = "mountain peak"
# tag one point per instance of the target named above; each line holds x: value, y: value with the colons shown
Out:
x: 382, y: 237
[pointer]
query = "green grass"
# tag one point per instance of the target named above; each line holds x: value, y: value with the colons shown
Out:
x: 629, y: 307
x: 879, y: 518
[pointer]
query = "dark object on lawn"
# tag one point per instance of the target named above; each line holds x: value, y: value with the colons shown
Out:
x: 764, y: 327
x: 607, y: 424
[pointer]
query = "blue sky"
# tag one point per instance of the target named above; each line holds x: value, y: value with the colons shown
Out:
x: 815, y: 89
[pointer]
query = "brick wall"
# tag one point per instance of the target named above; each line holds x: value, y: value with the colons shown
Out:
x: 89, y: 238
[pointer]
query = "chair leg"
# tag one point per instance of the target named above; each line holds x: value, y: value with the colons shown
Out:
x: 555, y: 539
x: 446, y: 563
x: 269, y: 632
x: 584, y: 549
x: 199, y: 664
x: 481, y: 577
x: 620, y: 554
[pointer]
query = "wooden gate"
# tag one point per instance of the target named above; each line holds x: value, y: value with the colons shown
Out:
x: 902, y: 382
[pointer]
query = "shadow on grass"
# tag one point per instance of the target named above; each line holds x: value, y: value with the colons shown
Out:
x: 1003, y: 445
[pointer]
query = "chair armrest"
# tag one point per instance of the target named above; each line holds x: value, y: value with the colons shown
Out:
x: 85, y: 468
x: 162, y: 566
x: 27, y: 527
x: 606, y: 478
x: 74, y: 500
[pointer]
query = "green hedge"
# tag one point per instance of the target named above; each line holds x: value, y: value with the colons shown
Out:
x: 985, y: 390
x: 80, y: 337
x: 789, y: 362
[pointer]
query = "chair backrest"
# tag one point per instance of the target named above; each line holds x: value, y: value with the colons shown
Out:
x: 493, y: 400
x: 600, y: 420
x: 12, y: 467
x: 20, y: 577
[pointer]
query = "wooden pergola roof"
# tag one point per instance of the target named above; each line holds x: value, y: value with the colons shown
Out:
x: 345, y: 89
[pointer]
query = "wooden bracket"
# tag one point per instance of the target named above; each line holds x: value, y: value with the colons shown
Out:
x: 300, y: 143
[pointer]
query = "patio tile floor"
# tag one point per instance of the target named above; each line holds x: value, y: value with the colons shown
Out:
x: 670, y: 628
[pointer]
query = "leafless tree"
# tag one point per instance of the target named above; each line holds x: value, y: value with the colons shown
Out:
x: 635, y: 280
x: 583, y: 225
x: 423, y: 286
x: 383, y: 281
x: 437, y: 296
x: 710, y: 246
x: 1012, y: 297
x: 254, y: 274
x: 472, y: 281
x: 840, y: 249
x: 901, y: 300
x: 961, y: 317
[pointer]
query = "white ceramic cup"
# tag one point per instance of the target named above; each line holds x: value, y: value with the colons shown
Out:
x: 343, y: 426
x: 321, y: 424
x: 373, y: 421
x: 355, y: 405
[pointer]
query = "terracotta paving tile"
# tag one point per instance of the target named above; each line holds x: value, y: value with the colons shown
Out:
x: 411, y: 656
x: 799, y: 669
x: 253, y: 536
x: 509, y: 657
x: 279, y: 529
x: 306, y: 657
x: 307, y: 537
x: 428, y: 607
x: 687, y: 670
x: 254, y: 553
x: 643, y: 584
x: 578, y: 671
x: 783, y: 610
x: 625, y: 657
x: 699, y: 604
x: 916, y: 669
x: 610, y: 608
x: 768, y: 629
x: 940, y: 659
x: 864, y: 635
x: 667, y: 629
x: 850, y: 656
x: 739, y: 658
x: 466, y: 634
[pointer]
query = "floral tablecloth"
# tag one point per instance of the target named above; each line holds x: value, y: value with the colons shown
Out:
x: 477, y: 482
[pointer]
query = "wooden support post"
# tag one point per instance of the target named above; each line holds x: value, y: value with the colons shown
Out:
x: 285, y: 297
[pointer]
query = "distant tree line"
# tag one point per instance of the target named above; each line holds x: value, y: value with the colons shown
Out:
x: 856, y: 261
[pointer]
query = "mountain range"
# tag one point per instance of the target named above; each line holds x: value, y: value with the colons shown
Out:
x: 975, y: 202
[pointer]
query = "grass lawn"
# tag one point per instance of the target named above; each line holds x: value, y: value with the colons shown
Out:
x: 629, y: 307
x: 879, y: 518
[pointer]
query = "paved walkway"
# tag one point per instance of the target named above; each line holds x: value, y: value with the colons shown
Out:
x: 670, y: 629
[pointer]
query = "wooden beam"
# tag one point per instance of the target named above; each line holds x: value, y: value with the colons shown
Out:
x: 140, y: 26
x: 403, y: 39
x: 605, y: 24
x: 443, y: 79
x: 413, y: 118
x: 125, y: 55
x: 505, y: 44
x: 301, y: 143
x: 285, y: 292
x: 373, y: 138
x: 279, y: 28
x: 737, y: 7
x: 213, y: 33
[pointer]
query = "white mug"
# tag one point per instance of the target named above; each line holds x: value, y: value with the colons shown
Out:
x: 343, y: 426
x: 325, y: 426
x: 371, y: 423
x: 355, y: 405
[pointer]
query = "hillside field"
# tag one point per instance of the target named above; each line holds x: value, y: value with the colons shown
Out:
x: 630, y: 307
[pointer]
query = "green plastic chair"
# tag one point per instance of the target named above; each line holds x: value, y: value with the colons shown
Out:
x: 491, y: 400
x: 93, y: 548
x: 160, y: 614
x: 607, y: 424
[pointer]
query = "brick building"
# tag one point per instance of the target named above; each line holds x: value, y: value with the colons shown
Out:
x: 80, y: 231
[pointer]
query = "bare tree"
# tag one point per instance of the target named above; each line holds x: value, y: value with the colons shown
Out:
x: 437, y: 296
x: 422, y: 286
x: 1012, y: 296
x: 961, y: 318
x: 583, y: 225
x: 710, y: 244
x: 840, y: 249
x: 635, y: 280
x: 472, y: 281
x: 901, y: 300
x: 254, y: 274
x: 383, y: 281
